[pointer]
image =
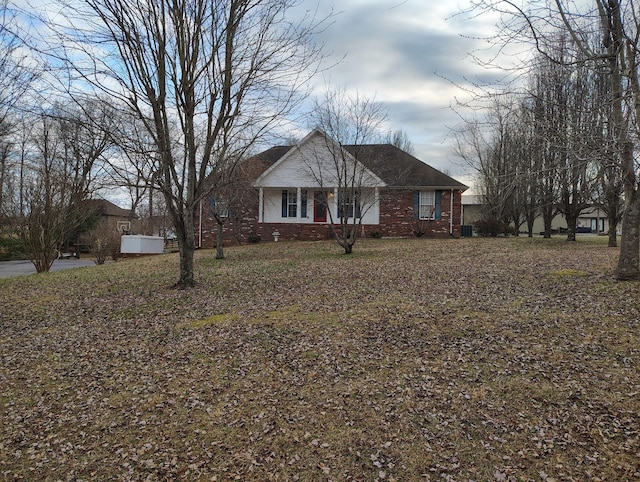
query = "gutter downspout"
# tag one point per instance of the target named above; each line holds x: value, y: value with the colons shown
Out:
x: 451, y: 216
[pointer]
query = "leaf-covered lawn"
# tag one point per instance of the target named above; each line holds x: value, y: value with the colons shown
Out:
x: 469, y: 359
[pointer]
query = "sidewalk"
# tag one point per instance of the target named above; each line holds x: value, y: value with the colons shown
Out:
x: 9, y: 269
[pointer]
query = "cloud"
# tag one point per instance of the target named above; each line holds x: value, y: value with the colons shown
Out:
x: 412, y: 56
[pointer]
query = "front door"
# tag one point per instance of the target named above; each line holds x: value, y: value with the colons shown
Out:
x: 319, y: 207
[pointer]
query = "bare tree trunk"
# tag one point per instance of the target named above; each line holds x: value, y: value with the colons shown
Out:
x: 628, y: 268
x: 629, y: 259
x: 571, y: 226
x: 4, y: 154
x: 186, y: 268
x: 186, y: 234
x: 530, y: 222
x: 629, y: 243
x: 219, y: 242
x: 547, y: 218
x: 613, y: 232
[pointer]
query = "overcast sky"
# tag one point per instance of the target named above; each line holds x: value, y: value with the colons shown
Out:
x: 408, y: 54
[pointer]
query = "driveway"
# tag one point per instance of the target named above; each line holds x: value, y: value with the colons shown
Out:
x: 9, y: 269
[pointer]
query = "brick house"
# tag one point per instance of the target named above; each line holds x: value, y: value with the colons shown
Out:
x: 295, y: 194
x: 112, y: 214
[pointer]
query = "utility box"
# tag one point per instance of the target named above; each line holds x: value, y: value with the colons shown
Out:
x: 467, y: 230
x: 135, y: 244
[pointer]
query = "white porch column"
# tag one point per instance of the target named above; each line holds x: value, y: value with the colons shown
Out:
x: 376, y: 205
x: 261, y: 205
x: 334, y: 204
x: 298, y: 203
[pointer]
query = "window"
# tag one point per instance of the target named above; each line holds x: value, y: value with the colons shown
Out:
x: 427, y: 205
x: 427, y: 208
x: 350, y: 203
x: 289, y: 203
x: 292, y: 204
x: 219, y: 207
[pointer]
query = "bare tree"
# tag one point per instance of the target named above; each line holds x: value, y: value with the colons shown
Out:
x: 349, y: 124
x: 15, y: 79
x: 132, y: 166
x: 103, y: 241
x: 615, y: 23
x: 566, y: 114
x: 492, y: 146
x: 206, y: 79
x: 58, y: 174
x: 401, y: 140
x: 225, y: 200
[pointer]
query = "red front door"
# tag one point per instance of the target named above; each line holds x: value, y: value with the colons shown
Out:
x: 319, y: 207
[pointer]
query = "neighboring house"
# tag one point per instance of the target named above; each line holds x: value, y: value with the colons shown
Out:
x: 110, y: 213
x: 591, y: 220
x: 472, y: 205
x: 296, y: 188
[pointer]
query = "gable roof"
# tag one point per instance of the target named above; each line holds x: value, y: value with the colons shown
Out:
x: 400, y: 169
x: 272, y: 155
x: 393, y: 166
x: 107, y: 208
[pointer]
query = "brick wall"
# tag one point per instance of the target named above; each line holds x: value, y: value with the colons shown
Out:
x: 396, y: 220
x: 396, y: 215
x: 235, y: 230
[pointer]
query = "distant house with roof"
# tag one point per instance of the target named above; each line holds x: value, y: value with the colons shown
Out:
x: 591, y: 220
x: 296, y: 191
x: 112, y: 214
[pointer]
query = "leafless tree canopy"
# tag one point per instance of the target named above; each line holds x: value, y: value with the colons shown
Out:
x: 206, y: 79
x: 352, y: 121
x: 58, y: 171
x: 602, y: 39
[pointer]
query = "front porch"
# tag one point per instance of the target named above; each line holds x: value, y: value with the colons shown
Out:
x: 314, y: 205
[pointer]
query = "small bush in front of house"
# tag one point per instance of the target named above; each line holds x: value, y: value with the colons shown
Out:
x: 376, y: 234
x: 492, y: 228
x: 254, y: 238
x: 103, y: 241
x: 419, y: 227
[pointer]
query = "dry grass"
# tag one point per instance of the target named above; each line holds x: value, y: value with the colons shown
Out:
x: 471, y: 359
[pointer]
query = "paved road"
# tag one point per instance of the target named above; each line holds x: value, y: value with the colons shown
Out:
x: 17, y: 268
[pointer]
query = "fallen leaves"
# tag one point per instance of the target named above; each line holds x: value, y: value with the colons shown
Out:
x: 409, y: 360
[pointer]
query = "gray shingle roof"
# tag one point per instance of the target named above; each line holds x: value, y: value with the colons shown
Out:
x: 391, y: 164
x: 107, y: 208
x: 272, y: 155
x: 400, y: 169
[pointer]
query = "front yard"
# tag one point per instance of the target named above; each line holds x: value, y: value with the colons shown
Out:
x: 422, y: 359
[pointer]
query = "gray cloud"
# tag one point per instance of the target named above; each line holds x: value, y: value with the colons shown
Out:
x: 411, y: 58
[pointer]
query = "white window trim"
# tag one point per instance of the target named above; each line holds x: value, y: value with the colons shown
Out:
x: 427, y: 205
x: 292, y: 202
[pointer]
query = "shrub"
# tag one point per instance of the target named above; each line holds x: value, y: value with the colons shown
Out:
x: 492, y: 228
x: 104, y: 240
x: 254, y: 238
x: 419, y: 227
x: 376, y: 234
x: 9, y: 247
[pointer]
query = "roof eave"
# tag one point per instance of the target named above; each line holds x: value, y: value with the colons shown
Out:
x: 434, y: 188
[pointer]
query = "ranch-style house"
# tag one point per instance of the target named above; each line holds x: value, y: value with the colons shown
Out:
x: 295, y: 193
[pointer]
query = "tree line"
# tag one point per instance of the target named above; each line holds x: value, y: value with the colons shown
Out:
x: 158, y: 96
x: 549, y: 149
x: 167, y: 97
x: 567, y: 138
